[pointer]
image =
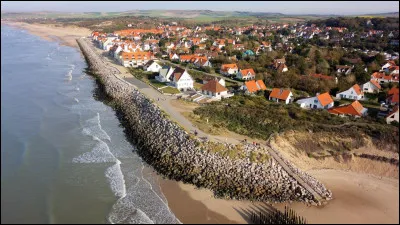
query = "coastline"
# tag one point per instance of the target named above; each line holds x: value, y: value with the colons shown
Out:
x: 178, y: 193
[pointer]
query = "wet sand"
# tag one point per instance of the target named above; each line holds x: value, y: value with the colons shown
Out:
x: 358, y: 198
x: 50, y: 32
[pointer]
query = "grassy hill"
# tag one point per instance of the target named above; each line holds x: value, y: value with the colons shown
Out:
x: 197, y: 15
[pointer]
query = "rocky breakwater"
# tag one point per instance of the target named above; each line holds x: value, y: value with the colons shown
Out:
x: 174, y: 153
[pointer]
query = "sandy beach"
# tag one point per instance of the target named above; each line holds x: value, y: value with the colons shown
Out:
x: 358, y: 198
x: 65, y: 35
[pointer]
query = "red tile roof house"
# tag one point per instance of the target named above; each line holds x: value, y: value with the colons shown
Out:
x: 320, y: 101
x: 253, y: 86
x: 371, y: 87
x: 214, y: 89
x: 383, y: 78
x: 246, y: 74
x: 354, y: 92
x: 354, y: 109
x: 279, y: 94
x: 229, y: 69
x: 393, y: 96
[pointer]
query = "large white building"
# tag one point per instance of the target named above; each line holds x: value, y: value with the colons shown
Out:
x: 181, y: 79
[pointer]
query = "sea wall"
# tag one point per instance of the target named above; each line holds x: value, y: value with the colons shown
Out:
x: 172, y: 152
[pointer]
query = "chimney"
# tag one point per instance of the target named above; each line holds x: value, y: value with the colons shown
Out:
x: 317, y: 94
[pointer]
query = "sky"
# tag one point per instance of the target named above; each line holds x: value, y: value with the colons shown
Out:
x: 286, y: 7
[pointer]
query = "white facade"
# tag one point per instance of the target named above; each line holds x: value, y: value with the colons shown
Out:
x: 175, y: 56
x: 313, y: 103
x: 185, y: 82
x: 350, y: 94
x: 247, y: 76
x: 154, y: 67
x: 164, y: 74
x: 230, y: 71
x: 370, y: 87
x: 393, y: 117
x: 287, y: 101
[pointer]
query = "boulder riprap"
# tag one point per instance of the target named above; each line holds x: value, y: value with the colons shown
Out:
x: 172, y: 152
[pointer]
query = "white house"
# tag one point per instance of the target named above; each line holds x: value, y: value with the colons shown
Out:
x: 214, y: 89
x: 164, y: 74
x: 181, y: 79
x: 152, y: 66
x: 321, y: 101
x: 371, y: 87
x: 202, y: 62
x: 279, y: 94
x: 173, y: 56
x: 246, y: 74
x: 229, y: 69
x: 354, y: 92
x: 393, y: 116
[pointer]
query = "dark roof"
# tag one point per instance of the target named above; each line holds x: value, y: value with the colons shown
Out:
x: 177, y: 70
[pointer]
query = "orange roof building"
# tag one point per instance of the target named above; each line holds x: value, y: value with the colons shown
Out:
x: 246, y: 74
x: 371, y: 86
x: 135, y: 59
x: 254, y: 86
x: 393, y: 96
x: 353, y: 109
x: 354, y: 93
x: 383, y: 78
x: 229, y: 69
x: 279, y: 94
x: 321, y: 101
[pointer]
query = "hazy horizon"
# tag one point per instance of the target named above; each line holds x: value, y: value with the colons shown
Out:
x: 288, y: 7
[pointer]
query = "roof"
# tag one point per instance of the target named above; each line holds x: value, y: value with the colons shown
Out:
x: 280, y: 93
x: 226, y: 67
x: 375, y: 84
x: 357, y: 89
x: 390, y: 77
x: 178, y: 72
x: 251, y: 86
x: 395, y: 109
x: 393, y: 91
x: 246, y: 71
x: 261, y: 85
x: 149, y: 63
x: 325, y: 99
x: 213, y: 86
x: 354, y: 109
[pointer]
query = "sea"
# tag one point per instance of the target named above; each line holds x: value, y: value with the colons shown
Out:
x: 64, y: 154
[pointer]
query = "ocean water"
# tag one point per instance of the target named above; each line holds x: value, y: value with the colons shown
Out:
x: 64, y: 156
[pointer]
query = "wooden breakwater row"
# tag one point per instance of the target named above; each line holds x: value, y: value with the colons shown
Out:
x: 171, y: 151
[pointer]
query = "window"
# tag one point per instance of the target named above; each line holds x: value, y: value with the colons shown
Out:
x: 315, y: 101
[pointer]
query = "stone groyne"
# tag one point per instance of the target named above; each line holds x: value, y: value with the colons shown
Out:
x: 172, y: 152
